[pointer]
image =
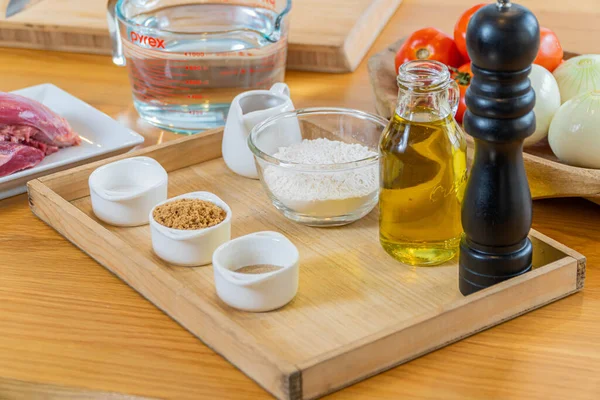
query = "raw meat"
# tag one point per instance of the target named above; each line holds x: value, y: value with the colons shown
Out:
x: 16, y: 157
x: 29, y: 131
x: 17, y: 112
x: 24, y: 135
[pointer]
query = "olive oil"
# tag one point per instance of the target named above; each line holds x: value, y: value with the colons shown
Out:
x: 423, y: 168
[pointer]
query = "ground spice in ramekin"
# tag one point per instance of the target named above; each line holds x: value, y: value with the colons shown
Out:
x: 258, y: 269
x: 189, y: 214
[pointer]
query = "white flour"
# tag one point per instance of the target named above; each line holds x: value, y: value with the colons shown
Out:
x: 323, y: 194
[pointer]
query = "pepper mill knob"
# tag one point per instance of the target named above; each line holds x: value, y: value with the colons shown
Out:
x: 502, y: 42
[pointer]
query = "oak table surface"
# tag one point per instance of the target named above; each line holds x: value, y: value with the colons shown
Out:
x: 69, y: 328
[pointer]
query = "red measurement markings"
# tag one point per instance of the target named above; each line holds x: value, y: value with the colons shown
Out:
x: 196, y: 82
x: 162, y: 80
x: 245, y: 71
x: 196, y: 67
x: 266, y: 82
x: 200, y: 54
x: 265, y: 69
x: 273, y: 59
x: 151, y: 81
x: 236, y: 72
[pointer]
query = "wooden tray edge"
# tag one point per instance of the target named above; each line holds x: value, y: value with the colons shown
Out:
x: 22, y: 389
x: 255, y: 361
x: 580, y: 258
x: 205, y: 146
x: 396, y: 345
x: 22, y: 182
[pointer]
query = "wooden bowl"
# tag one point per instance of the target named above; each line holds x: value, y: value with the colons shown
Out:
x: 548, y: 177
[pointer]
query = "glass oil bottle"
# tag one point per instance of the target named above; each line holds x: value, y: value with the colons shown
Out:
x: 423, y: 168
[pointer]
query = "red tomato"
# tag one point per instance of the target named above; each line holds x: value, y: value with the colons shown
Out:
x: 550, y: 53
x: 462, y: 76
x: 460, y: 30
x: 429, y: 44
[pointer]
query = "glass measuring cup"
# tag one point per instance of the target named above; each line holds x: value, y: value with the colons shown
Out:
x: 187, y: 59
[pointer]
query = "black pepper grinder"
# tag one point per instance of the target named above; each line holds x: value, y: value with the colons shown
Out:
x: 502, y: 41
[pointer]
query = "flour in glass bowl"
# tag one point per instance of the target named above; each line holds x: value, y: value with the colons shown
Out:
x: 324, y: 193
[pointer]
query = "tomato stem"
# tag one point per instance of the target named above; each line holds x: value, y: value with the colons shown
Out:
x: 462, y: 78
x: 423, y: 54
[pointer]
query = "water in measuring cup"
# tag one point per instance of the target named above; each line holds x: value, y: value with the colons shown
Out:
x: 187, y: 84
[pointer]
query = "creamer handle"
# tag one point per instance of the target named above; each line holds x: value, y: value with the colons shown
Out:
x: 280, y: 88
x: 115, y: 36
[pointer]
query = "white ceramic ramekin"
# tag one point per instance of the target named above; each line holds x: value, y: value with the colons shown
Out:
x: 257, y: 292
x: 190, y: 248
x: 123, y: 192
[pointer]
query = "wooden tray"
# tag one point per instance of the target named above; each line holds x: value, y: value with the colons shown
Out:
x: 548, y: 177
x: 358, y: 311
x: 327, y: 36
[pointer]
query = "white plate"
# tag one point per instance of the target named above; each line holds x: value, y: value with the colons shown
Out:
x: 101, y: 137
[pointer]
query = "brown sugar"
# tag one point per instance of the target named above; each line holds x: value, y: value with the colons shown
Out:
x: 189, y: 214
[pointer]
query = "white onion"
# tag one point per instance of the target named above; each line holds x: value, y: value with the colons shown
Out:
x: 574, y: 136
x: 547, y: 101
x: 578, y: 75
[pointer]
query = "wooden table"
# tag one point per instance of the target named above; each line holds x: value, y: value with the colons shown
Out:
x: 69, y: 327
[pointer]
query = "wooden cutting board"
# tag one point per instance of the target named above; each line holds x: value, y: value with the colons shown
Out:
x: 327, y: 36
x: 357, y: 312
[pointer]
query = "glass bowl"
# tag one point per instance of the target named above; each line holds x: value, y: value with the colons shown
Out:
x: 325, y: 184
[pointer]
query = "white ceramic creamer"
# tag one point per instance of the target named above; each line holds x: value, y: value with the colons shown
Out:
x: 247, y: 110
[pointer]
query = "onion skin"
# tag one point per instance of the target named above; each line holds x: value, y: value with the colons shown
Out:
x: 547, y: 102
x: 574, y: 136
x: 578, y: 75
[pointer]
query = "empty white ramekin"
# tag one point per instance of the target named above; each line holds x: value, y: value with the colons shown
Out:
x: 257, y: 292
x: 123, y: 192
x: 190, y: 248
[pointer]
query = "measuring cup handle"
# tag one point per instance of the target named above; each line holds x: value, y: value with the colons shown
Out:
x: 280, y: 88
x: 115, y: 35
